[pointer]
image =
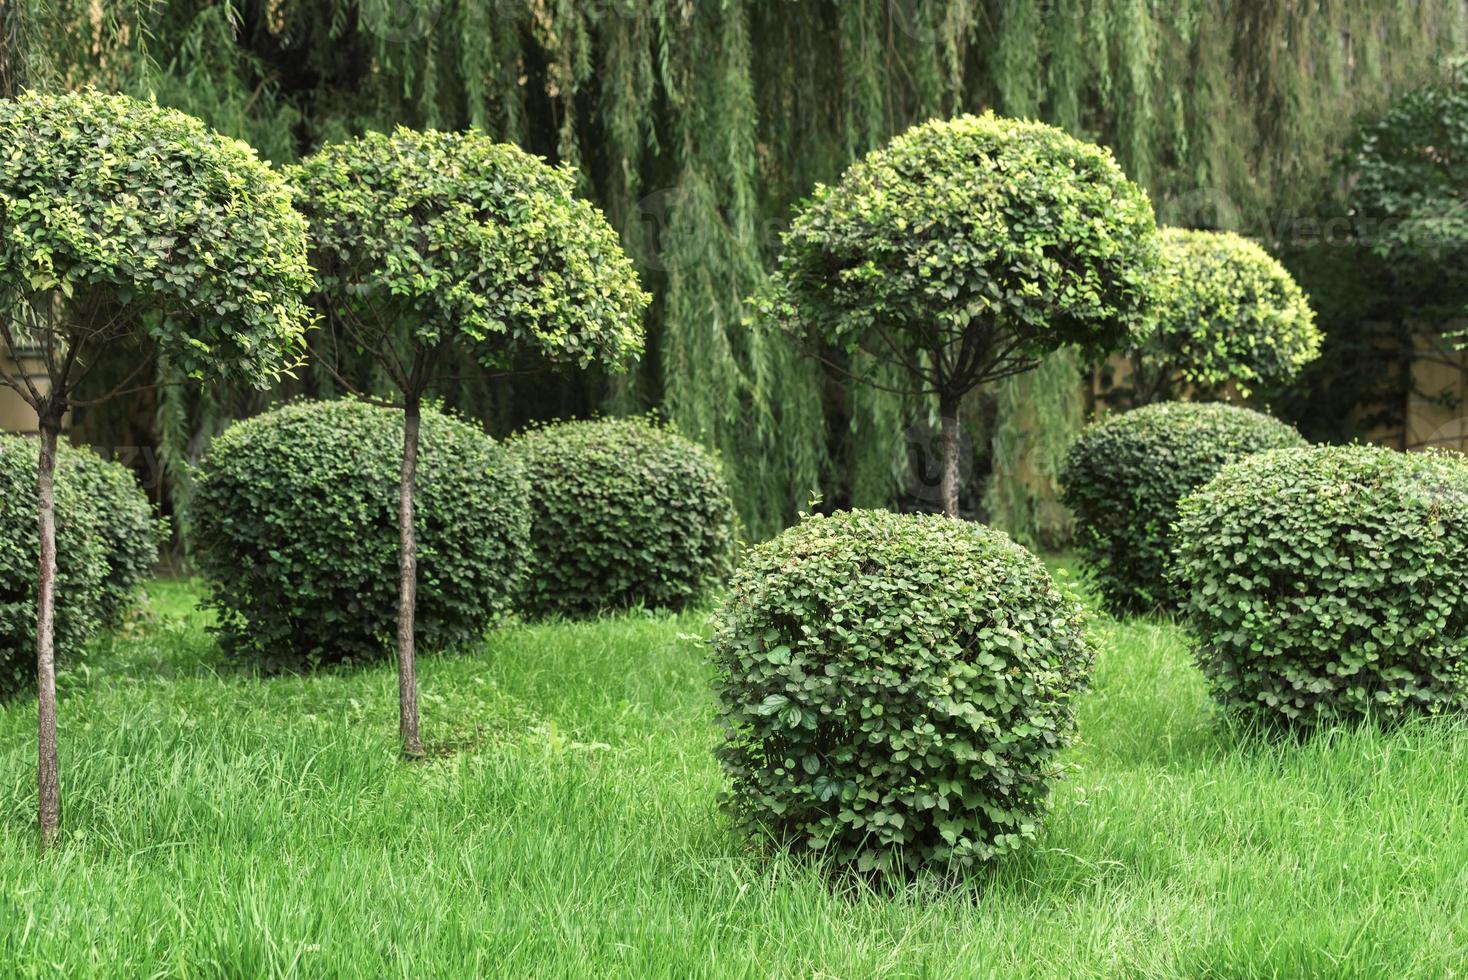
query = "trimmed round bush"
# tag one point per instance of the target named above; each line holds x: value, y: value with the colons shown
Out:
x: 625, y: 512
x: 81, y: 565
x: 296, y: 522
x: 894, y: 690
x: 1230, y: 314
x: 1331, y: 582
x: 1123, y: 479
x: 130, y: 531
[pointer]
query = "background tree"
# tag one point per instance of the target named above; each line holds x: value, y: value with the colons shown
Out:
x: 962, y: 253
x: 129, y: 227
x: 425, y: 242
x: 1408, y: 199
x: 1228, y: 314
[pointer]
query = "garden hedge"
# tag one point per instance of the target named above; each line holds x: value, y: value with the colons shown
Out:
x: 625, y: 512
x: 1123, y: 479
x: 894, y: 690
x: 1330, y: 583
x: 130, y: 531
x: 81, y: 566
x: 296, y: 522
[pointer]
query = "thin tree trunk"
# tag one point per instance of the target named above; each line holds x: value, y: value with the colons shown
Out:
x: 47, y: 778
x: 408, y: 587
x: 948, y: 409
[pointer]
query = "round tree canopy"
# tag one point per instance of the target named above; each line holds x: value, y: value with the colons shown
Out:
x: 123, y: 205
x: 452, y: 231
x: 1229, y: 313
x: 1012, y: 237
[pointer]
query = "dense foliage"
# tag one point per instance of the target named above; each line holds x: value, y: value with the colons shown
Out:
x: 129, y: 530
x: 110, y: 202
x: 297, y: 532
x: 697, y: 126
x: 963, y: 252
x: 1230, y: 315
x: 625, y: 512
x: 1409, y: 193
x: 1123, y: 479
x: 894, y: 689
x: 81, y: 566
x: 436, y: 240
x: 983, y: 240
x: 1331, y: 582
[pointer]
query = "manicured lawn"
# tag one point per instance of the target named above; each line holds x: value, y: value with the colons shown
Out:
x: 222, y: 825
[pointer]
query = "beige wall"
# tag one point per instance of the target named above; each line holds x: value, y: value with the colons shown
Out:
x: 1437, y: 406
x: 15, y: 414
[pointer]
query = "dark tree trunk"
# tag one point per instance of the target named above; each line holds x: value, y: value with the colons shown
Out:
x: 47, y: 778
x: 408, y: 586
x: 948, y: 406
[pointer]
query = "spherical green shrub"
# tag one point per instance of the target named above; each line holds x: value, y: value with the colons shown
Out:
x: 1228, y: 314
x: 1125, y: 475
x: 296, y: 523
x: 625, y: 512
x: 894, y: 689
x: 81, y: 566
x: 1331, y: 582
x: 130, y: 531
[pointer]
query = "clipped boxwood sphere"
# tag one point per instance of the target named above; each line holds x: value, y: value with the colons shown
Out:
x: 1331, y: 582
x: 1123, y: 479
x: 296, y: 523
x: 625, y: 512
x: 81, y: 564
x: 894, y: 689
x: 130, y: 531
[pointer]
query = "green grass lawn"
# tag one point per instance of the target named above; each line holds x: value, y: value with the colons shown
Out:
x: 223, y: 825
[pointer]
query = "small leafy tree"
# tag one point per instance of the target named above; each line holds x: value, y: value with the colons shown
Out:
x: 1229, y: 314
x: 964, y: 252
x: 425, y: 242
x: 127, y: 230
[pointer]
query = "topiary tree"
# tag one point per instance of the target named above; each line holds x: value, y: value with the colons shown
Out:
x: 894, y: 690
x: 128, y: 230
x: 296, y: 531
x: 1123, y: 479
x: 963, y: 252
x: 626, y: 512
x: 1229, y: 314
x: 425, y: 242
x: 1331, y: 583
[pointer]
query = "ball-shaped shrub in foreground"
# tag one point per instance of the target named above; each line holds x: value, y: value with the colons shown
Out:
x: 130, y: 531
x: 894, y: 689
x: 625, y: 512
x: 1331, y: 582
x: 81, y: 566
x: 296, y: 523
x: 1125, y: 475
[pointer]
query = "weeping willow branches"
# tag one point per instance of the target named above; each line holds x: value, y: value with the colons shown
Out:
x: 698, y: 123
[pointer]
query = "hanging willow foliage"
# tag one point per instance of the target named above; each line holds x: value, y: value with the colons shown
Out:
x: 697, y: 124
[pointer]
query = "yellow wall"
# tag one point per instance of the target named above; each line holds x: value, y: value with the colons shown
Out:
x: 15, y: 414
